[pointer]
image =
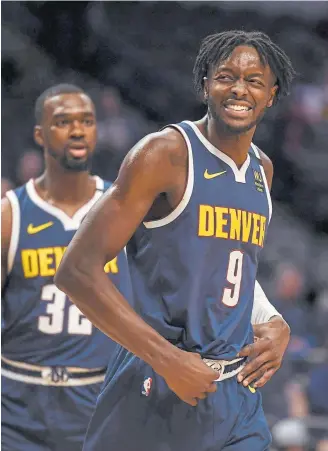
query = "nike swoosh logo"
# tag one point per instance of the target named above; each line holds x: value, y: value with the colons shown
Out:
x: 211, y: 176
x: 251, y: 389
x: 31, y: 229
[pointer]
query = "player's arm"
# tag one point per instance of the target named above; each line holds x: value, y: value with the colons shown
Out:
x: 263, y: 310
x: 6, y: 220
x: 272, y: 334
x: 262, y: 303
x: 156, y: 165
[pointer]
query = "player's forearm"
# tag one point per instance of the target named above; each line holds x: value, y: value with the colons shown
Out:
x: 101, y: 302
x: 263, y: 310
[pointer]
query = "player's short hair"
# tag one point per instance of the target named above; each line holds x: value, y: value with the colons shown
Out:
x: 218, y: 47
x: 63, y: 88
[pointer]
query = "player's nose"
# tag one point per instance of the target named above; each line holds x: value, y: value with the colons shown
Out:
x: 239, y: 88
x: 77, y: 130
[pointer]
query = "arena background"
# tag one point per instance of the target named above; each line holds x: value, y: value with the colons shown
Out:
x: 135, y: 59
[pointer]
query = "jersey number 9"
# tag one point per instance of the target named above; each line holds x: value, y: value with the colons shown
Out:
x: 231, y: 294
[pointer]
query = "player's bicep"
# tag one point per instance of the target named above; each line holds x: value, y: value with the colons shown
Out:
x: 6, y: 224
x: 113, y: 220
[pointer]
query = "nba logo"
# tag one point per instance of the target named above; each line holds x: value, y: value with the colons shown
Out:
x: 146, y: 386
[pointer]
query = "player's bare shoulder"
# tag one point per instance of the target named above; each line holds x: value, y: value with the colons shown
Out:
x: 175, y: 147
x: 166, y: 146
x: 267, y: 166
x: 160, y: 159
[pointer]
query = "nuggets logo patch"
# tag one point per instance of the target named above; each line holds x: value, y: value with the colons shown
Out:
x: 146, y: 386
x: 258, y: 180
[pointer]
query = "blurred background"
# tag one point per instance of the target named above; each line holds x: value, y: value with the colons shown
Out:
x: 135, y: 60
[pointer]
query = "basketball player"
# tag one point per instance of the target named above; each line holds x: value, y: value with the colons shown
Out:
x: 53, y: 359
x: 192, y: 201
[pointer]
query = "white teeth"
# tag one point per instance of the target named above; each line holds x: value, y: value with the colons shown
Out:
x: 237, y: 107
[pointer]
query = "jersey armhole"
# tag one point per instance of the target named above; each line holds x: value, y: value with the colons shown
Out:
x: 15, y: 229
x: 257, y: 153
x: 188, y: 191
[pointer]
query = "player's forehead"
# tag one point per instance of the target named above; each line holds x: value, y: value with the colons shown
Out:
x: 243, y: 58
x: 69, y: 103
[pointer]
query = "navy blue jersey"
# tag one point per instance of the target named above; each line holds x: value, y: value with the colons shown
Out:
x: 193, y: 272
x: 40, y: 324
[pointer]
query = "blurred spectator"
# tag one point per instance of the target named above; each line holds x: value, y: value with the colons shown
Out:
x: 117, y: 126
x: 290, y: 302
x: 297, y: 399
x: 291, y: 435
x: 288, y: 297
x: 29, y: 166
x: 318, y: 390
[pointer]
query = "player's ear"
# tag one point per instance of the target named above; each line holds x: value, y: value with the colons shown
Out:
x: 273, y: 92
x: 38, y: 138
x: 205, y: 85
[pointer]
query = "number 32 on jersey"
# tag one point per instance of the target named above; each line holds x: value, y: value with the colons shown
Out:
x: 54, y: 320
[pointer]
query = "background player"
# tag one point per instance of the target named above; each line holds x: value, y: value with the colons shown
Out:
x: 53, y: 359
x: 194, y: 202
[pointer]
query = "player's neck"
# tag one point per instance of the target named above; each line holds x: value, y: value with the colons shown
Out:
x: 62, y: 186
x: 235, y: 146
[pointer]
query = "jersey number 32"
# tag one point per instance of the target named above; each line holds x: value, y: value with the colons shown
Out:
x: 54, y: 320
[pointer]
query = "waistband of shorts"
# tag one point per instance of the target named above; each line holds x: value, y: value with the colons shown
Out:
x: 58, y: 376
x: 226, y: 368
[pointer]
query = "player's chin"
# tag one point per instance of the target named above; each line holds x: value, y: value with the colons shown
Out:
x: 237, y: 127
x: 77, y: 164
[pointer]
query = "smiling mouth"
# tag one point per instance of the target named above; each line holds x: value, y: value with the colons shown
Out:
x: 238, y: 107
x: 237, y: 111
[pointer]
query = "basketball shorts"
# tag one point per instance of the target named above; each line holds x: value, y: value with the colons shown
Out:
x: 137, y: 411
x: 45, y: 418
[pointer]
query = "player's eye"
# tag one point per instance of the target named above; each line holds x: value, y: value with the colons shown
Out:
x: 256, y: 81
x: 89, y: 122
x: 224, y: 77
x: 62, y: 123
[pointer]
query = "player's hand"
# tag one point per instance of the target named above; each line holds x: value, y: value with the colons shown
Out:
x: 266, y: 353
x: 189, y: 377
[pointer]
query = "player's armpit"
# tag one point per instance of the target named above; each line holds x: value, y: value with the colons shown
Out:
x: 6, y: 224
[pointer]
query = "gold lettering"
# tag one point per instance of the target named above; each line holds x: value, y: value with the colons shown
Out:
x: 46, y: 258
x: 235, y: 226
x: 221, y: 222
x: 256, y: 228
x: 206, y: 220
x: 262, y: 230
x: 30, y: 263
x: 247, y: 222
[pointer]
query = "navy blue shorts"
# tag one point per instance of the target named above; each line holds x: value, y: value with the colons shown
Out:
x: 136, y: 411
x: 45, y: 418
